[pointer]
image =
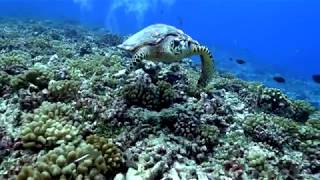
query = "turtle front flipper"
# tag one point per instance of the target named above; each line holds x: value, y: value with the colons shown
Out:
x: 207, y: 66
x: 137, y: 59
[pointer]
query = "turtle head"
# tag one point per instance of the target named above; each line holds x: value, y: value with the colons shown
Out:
x: 181, y: 47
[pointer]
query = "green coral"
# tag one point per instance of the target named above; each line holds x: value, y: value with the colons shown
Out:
x: 110, y: 152
x: 18, y: 82
x: 39, y: 75
x: 280, y: 132
x: 87, y: 66
x: 193, y: 89
x: 228, y: 82
x: 272, y: 100
x: 114, y: 61
x: 4, y: 81
x: 209, y: 133
x: 271, y: 129
x: 257, y: 157
x: 315, y: 123
x: 95, y: 158
x: 38, y: 42
x: 149, y: 95
x: 98, y: 68
x: 165, y: 94
x: 302, y: 110
x: 49, y: 126
x: 63, y: 90
x: 4, y: 78
x: 15, y: 57
x: 185, y: 120
x: 140, y: 94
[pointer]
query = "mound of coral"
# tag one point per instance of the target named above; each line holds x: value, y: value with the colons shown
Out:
x: 69, y: 112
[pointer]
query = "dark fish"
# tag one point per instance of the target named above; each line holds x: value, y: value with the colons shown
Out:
x: 279, y: 79
x: 240, y: 61
x: 230, y: 59
x: 316, y: 78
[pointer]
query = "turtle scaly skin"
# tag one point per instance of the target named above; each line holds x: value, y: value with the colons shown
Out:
x: 207, y: 69
x: 167, y: 44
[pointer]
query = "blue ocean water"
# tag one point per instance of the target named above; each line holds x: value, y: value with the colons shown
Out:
x: 274, y: 37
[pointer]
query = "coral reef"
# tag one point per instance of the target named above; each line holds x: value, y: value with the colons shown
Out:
x: 68, y: 110
x: 39, y: 76
x: 63, y: 90
x: 6, y: 144
x: 48, y: 126
x: 142, y: 92
x: 30, y: 98
x: 279, y: 132
x: 4, y: 83
x: 82, y: 161
x: 274, y: 101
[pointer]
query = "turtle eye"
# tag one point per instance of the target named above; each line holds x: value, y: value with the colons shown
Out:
x: 176, y: 43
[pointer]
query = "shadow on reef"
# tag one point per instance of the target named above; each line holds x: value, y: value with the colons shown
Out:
x: 69, y: 112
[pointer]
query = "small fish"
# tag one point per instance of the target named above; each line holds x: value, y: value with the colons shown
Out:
x: 81, y: 158
x: 316, y: 78
x: 279, y: 79
x: 240, y: 61
x: 92, y: 153
x: 230, y: 59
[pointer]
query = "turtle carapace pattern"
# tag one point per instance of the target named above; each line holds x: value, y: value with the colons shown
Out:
x: 165, y: 43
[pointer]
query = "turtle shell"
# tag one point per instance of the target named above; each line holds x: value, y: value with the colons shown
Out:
x: 151, y: 35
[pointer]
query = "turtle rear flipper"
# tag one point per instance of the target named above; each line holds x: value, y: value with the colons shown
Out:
x: 207, y: 69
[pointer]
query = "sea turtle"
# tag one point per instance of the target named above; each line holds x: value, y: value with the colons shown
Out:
x: 165, y: 43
